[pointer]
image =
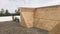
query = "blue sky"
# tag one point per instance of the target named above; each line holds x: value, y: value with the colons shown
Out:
x: 11, y: 5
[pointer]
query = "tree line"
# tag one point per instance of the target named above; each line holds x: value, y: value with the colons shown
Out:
x: 7, y: 13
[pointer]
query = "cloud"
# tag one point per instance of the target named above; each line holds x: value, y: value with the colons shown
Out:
x: 11, y: 5
x: 40, y: 3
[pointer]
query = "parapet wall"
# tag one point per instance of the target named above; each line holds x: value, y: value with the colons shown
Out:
x: 47, y: 18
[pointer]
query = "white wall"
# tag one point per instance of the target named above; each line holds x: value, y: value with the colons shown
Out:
x: 7, y: 18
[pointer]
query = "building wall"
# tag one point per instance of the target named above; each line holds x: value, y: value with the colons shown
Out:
x: 46, y: 18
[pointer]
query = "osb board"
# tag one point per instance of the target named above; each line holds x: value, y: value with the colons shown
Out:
x: 22, y: 21
x: 47, y: 18
x: 48, y: 13
x: 27, y: 9
x: 28, y: 16
x: 56, y: 29
x: 45, y: 24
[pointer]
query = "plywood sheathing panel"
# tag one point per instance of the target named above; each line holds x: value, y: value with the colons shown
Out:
x: 28, y: 16
x: 48, y: 13
x: 55, y: 30
x: 47, y: 18
x: 46, y: 24
x: 22, y: 21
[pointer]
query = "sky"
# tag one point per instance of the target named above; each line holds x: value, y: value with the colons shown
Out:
x: 11, y: 5
x: 40, y: 3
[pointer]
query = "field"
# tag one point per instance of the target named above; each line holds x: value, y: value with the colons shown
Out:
x: 11, y: 27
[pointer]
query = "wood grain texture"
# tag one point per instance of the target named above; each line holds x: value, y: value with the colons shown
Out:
x: 46, y: 18
x: 28, y: 16
x: 55, y: 30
